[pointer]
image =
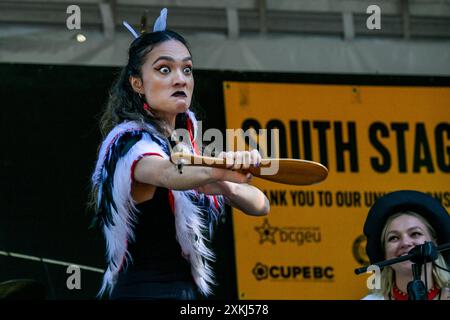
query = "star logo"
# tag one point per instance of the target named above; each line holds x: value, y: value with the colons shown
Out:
x: 266, y: 232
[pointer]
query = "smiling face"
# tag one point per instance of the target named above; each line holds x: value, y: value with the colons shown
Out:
x: 401, y: 235
x: 167, y: 81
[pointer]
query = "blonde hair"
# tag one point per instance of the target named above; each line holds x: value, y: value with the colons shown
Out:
x: 441, y: 278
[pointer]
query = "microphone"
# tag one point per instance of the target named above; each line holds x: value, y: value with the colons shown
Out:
x: 426, y: 252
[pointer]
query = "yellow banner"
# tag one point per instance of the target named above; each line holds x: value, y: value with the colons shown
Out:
x: 373, y: 140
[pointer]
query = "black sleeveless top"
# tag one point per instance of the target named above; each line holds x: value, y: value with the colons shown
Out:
x: 156, y: 254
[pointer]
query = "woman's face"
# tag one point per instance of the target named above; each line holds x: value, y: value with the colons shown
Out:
x: 404, y: 233
x: 167, y: 80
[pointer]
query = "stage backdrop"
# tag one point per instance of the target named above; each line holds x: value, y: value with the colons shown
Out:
x: 50, y: 135
x: 373, y: 139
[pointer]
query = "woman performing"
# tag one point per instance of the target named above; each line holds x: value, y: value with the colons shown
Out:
x: 158, y: 222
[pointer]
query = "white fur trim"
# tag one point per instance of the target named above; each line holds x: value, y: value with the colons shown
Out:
x: 190, y: 227
x: 118, y: 236
x: 190, y: 235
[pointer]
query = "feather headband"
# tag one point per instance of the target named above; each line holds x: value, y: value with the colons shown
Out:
x: 160, y: 24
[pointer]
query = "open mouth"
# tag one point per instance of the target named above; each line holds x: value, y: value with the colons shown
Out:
x: 179, y: 94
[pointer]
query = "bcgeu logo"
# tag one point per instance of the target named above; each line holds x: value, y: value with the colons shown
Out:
x: 302, y: 273
x: 298, y: 235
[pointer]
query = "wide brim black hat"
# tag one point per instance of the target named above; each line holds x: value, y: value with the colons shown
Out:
x: 401, y: 201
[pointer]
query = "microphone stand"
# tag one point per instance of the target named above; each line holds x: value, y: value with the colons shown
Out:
x: 419, y: 255
x: 416, y: 287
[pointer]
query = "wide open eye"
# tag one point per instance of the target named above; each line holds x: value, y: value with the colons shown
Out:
x: 187, y: 70
x: 164, y: 70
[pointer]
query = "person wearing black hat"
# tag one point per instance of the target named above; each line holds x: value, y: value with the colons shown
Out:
x: 398, y: 222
